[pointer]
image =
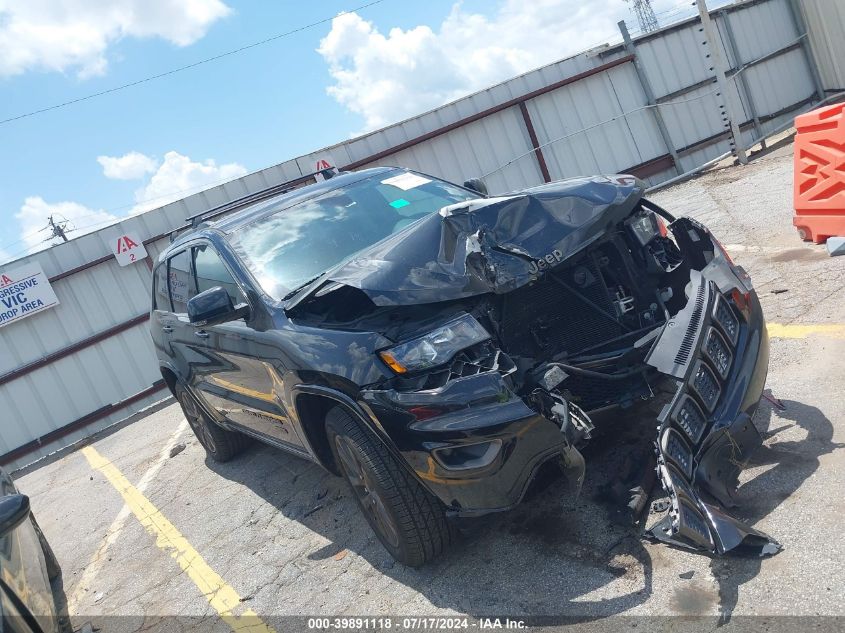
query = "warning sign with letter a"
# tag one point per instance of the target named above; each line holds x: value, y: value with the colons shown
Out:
x: 128, y: 249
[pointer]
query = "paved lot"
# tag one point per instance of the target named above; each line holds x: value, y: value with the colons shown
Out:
x: 279, y: 536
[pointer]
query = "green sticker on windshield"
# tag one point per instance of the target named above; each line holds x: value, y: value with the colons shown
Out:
x: 399, y: 203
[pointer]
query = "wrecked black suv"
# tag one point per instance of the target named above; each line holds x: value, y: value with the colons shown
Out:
x: 436, y: 346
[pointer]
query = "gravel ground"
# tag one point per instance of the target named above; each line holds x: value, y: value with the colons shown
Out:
x: 288, y: 538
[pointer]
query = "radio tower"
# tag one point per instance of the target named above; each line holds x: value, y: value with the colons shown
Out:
x: 645, y: 15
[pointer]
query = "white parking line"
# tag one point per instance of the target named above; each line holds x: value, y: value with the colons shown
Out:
x: 97, y: 561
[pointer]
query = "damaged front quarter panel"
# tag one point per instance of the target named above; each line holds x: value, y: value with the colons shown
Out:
x: 716, y: 348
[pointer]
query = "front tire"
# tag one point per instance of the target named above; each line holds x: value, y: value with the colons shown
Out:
x: 220, y: 444
x: 408, y: 520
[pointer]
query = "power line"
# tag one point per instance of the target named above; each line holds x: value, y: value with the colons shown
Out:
x: 57, y: 229
x: 187, y: 67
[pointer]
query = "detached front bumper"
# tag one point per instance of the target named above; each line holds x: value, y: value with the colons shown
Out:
x: 717, y: 348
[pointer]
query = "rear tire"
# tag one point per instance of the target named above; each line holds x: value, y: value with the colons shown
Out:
x: 220, y: 444
x: 408, y: 520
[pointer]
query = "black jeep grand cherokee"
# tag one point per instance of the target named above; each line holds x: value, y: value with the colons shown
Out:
x: 436, y: 346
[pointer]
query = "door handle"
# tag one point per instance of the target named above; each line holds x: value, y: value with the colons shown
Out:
x: 201, y: 333
x: 167, y: 329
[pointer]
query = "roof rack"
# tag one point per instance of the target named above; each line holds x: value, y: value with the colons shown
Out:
x: 300, y: 181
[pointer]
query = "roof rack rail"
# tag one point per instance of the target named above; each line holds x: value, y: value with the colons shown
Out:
x: 300, y: 181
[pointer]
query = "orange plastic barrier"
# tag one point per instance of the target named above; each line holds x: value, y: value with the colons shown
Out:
x: 819, y: 196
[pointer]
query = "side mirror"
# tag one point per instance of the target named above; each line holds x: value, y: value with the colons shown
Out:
x: 13, y: 511
x: 476, y: 184
x: 214, y: 306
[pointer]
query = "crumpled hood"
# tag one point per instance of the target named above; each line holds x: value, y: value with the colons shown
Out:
x: 487, y: 245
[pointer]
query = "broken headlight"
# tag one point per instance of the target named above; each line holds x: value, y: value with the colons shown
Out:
x: 645, y: 226
x: 435, y: 348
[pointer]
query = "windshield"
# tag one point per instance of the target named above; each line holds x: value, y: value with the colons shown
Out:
x: 293, y: 246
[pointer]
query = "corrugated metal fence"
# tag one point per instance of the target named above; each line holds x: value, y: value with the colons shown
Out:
x: 650, y: 107
x: 826, y: 26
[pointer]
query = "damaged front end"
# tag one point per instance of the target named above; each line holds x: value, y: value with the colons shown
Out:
x: 515, y: 318
x: 716, y: 349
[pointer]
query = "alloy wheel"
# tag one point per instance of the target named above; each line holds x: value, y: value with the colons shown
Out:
x: 197, y: 422
x: 366, y: 490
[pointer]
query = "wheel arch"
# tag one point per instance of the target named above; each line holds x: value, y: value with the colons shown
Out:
x: 312, y: 403
x: 170, y: 378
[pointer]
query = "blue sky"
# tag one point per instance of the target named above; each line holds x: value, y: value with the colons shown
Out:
x: 252, y: 109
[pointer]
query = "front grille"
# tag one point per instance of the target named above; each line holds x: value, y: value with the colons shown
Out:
x: 705, y: 385
x: 676, y: 449
x: 690, y: 418
x: 548, y: 317
x: 724, y: 315
x: 692, y: 525
x: 671, y: 477
x: 717, y: 350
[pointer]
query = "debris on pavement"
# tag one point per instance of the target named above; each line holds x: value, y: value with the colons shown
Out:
x: 836, y: 246
x: 775, y: 401
x: 177, y: 449
x: 312, y: 511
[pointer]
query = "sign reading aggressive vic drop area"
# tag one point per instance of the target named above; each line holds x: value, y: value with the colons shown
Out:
x: 24, y: 291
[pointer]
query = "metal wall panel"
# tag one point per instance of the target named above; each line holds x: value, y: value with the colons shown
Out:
x: 584, y: 107
x: 759, y: 29
x: 826, y: 26
x: 476, y: 149
x: 770, y: 92
x: 674, y: 60
x: 693, y: 116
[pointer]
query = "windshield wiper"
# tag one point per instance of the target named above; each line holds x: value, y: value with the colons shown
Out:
x: 301, y: 286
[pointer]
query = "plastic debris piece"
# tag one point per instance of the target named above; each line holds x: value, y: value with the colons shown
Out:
x: 836, y: 246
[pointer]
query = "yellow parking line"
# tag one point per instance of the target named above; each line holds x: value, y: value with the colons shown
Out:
x: 828, y: 330
x: 221, y: 596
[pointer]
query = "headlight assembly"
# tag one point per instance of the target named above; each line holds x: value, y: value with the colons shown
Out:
x: 435, y: 348
x: 646, y: 225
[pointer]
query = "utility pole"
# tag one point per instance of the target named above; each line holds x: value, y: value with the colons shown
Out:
x: 645, y: 15
x: 732, y: 105
x: 58, y: 229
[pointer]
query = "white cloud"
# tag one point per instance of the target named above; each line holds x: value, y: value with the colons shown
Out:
x: 130, y: 166
x: 178, y: 176
x: 79, y: 219
x: 61, y: 35
x: 386, y: 78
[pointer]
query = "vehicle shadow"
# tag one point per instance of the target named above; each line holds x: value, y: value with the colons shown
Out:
x: 791, y: 461
x: 554, y: 557
x: 63, y: 621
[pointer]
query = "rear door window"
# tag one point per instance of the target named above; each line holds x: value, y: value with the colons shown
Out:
x: 161, y: 297
x: 180, y: 279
